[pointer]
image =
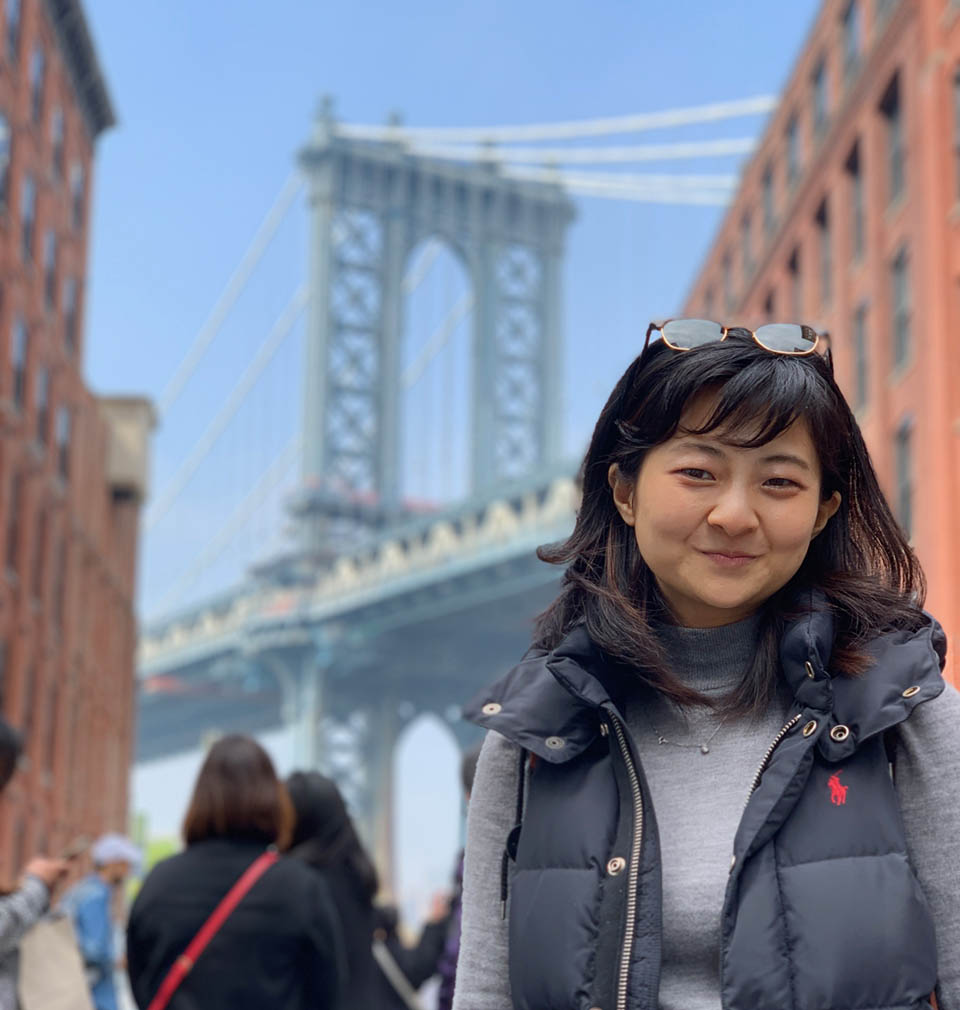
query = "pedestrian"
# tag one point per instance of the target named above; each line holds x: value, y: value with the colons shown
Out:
x: 23, y: 907
x: 740, y: 622
x: 402, y: 969
x: 447, y: 967
x: 279, y: 947
x: 326, y: 841
x: 89, y: 904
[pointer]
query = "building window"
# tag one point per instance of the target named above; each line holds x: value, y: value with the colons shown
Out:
x: 900, y: 289
x: 861, y: 358
x: 826, y: 253
x: 769, y: 306
x: 50, y: 268
x: 13, y: 30
x: 70, y: 314
x: 857, y: 213
x: 728, y: 295
x: 821, y: 99
x: 39, y: 556
x: 746, y: 245
x: 903, y: 462
x: 708, y: 303
x: 13, y: 521
x: 769, y: 205
x: 18, y: 361
x: 63, y: 442
x: 793, y: 151
x: 28, y: 210
x: 892, y: 111
x: 38, y: 71
x: 852, y: 41
x: 77, y: 184
x: 57, y: 143
x: 6, y: 143
x: 956, y: 131
x: 796, y: 286
x: 42, y: 405
x: 60, y: 583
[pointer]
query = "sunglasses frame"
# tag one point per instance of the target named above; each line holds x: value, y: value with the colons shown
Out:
x: 725, y: 330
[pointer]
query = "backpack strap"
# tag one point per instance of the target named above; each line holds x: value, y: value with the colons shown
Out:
x: 185, y: 962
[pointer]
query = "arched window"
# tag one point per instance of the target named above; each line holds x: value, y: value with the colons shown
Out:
x: 70, y: 314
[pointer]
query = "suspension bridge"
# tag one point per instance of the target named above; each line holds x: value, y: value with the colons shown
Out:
x: 401, y: 457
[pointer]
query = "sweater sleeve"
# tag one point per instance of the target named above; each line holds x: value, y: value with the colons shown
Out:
x: 483, y: 981
x: 927, y: 775
x: 20, y: 910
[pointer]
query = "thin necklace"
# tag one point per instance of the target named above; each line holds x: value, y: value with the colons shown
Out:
x: 703, y: 745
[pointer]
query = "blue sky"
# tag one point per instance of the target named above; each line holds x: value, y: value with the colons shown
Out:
x: 213, y: 100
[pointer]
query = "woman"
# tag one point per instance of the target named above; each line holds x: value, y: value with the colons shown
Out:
x: 740, y: 620
x: 325, y: 839
x: 22, y: 908
x: 280, y: 947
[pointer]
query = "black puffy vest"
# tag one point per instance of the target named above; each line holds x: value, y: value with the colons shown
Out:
x: 822, y: 908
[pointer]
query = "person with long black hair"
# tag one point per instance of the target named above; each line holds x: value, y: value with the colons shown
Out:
x: 726, y: 773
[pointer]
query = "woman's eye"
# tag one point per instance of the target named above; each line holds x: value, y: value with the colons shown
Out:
x: 694, y: 473
x: 781, y: 482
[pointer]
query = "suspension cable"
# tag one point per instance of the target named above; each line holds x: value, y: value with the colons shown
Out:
x: 279, y: 331
x: 566, y: 130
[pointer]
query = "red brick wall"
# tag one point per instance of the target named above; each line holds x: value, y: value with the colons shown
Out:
x: 66, y: 619
x: 919, y: 42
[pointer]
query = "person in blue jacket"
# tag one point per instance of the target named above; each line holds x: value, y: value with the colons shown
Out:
x: 89, y: 904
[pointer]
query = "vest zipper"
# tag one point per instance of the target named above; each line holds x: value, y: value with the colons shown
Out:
x: 777, y: 740
x: 633, y: 872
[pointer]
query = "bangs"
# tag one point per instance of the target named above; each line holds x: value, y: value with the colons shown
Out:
x: 759, y: 395
x: 754, y: 407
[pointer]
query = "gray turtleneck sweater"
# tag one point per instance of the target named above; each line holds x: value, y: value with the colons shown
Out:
x: 699, y: 798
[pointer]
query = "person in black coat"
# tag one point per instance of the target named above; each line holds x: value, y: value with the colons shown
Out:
x: 281, y: 947
x: 325, y: 839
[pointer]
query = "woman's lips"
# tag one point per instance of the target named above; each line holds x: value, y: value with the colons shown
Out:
x: 729, y: 560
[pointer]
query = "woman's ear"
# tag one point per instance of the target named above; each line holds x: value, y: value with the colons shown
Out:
x: 622, y: 494
x: 826, y: 511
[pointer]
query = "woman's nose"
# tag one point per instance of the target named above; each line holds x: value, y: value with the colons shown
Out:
x: 733, y: 512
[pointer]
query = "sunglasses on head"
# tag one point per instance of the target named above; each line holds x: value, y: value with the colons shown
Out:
x: 793, y: 339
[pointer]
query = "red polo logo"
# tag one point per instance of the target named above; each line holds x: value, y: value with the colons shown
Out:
x: 838, y: 792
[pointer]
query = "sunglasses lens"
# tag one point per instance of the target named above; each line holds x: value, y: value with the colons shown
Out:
x: 787, y: 338
x: 684, y: 334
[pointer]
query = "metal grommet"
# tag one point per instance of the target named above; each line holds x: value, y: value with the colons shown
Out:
x: 809, y: 668
x: 911, y: 691
x: 810, y: 728
x: 555, y: 742
x: 604, y: 729
x: 616, y: 865
x: 733, y: 863
x: 491, y: 708
x: 840, y: 733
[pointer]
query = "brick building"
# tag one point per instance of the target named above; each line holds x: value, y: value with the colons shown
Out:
x: 71, y: 465
x: 848, y: 217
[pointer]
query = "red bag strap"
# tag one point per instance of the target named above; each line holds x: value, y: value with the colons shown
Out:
x: 185, y: 962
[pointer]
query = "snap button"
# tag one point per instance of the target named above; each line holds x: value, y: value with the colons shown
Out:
x: 491, y: 708
x: 840, y: 733
x: 555, y: 742
x: 809, y: 668
x: 616, y: 865
x: 911, y: 691
x: 810, y: 728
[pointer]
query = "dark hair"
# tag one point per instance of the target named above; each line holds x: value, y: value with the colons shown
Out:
x: 11, y: 747
x: 238, y: 795
x: 861, y: 561
x: 324, y: 835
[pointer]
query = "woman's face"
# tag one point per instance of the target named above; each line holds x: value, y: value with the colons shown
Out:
x: 723, y: 528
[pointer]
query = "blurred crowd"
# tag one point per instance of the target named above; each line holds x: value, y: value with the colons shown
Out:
x: 272, y: 902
